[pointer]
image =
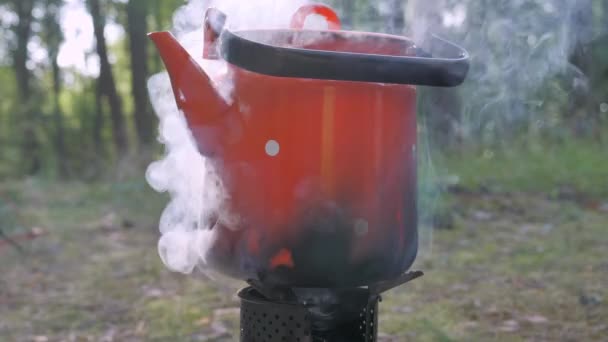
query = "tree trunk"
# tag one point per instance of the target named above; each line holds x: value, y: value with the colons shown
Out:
x: 53, y: 40
x: 158, y: 26
x: 581, y: 100
x: 145, y: 121
x: 23, y: 31
x: 58, y: 118
x: 106, y: 80
x: 394, y: 19
x: 348, y: 12
x: 98, y: 124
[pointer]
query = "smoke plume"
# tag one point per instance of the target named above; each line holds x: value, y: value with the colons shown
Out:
x: 197, y: 196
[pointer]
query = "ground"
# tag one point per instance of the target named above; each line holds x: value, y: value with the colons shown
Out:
x: 505, y: 265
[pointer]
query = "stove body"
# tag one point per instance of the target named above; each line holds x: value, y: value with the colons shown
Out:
x: 313, y: 314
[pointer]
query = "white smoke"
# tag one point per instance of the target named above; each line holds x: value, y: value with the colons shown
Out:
x: 196, y: 191
x: 521, y: 71
x: 515, y: 46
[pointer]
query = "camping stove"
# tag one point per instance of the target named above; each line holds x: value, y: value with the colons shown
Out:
x: 313, y: 315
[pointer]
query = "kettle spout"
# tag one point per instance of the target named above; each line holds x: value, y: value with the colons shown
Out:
x: 194, y: 93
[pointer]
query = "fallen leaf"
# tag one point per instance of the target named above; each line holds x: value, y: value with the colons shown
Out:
x: 140, y: 328
x: 203, y: 321
x: 480, y: 215
x: 404, y: 309
x: 469, y: 325
x: 154, y: 293
x: 459, y: 287
x: 536, y: 319
x: 509, y: 326
x: 109, y: 336
x: 37, y: 231
x: 383, y: 337
x: 601, y: 328
x: 497, y: 313
x: 547, y: 228
x: 477, y: 302
x: 226, y: 312
x: 109, y: 221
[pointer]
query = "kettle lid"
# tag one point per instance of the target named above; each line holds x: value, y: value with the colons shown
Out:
x: 343, y: 55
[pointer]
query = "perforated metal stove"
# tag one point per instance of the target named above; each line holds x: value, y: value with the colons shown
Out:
x: 313, y: 315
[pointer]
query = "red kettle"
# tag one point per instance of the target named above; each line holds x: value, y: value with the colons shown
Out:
x: 317, y: 150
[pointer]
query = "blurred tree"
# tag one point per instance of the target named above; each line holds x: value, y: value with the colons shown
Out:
x: 581, y: 107
x: 161, y: 16
x: 106, y: 85
x: 347, y: 9
x: 53, y: 36
x: 440, y: 108
x: 145, y: 121
x: 27, y: 106
x: 98, y: 122
x: 392, y: 15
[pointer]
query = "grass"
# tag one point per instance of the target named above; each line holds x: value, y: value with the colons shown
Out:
x: 581, y: 166
x: 516, y: 265
x: 485, y: 275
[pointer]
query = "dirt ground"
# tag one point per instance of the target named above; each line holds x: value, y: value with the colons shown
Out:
x: 500, y: 267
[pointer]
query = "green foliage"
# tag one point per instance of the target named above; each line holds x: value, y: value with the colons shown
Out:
x: 9, y: 152
x: 575, y: 166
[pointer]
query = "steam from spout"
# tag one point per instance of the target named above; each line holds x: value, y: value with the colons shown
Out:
x: 197, y: 195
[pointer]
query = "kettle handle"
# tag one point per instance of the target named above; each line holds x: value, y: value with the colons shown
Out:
x: 299, y: 17
x: 215, y: 20
x: 443, y: 64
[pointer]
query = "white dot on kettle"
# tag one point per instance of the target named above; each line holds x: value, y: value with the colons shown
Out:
x: 361, y: 227
x: 272, y: 148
